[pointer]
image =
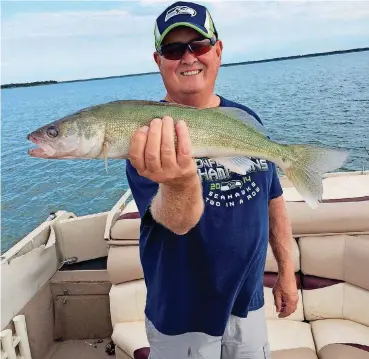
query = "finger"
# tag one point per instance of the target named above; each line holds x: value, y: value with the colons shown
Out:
x: 137, y: 149
x: 278, y: 301
x: 286, y: 312
x: 288, y: 308
x: 184, y: 150
x: 152, y: 151
x: 168, y: 152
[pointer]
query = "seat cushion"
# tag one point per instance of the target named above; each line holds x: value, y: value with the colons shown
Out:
x: 271, y: 263
x: 131, y: 338
x: 297, y: 353
x: 350, y: 302
x: 344, y: 351
x: 340, y: 257
x: 127, y: 302
x: 341, y: 339
x: 335, y: 217
x: 289, y: 334
x: 127, y: 225
x: 124, y: 264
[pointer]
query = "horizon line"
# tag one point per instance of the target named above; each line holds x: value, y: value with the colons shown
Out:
x: 282, y: 58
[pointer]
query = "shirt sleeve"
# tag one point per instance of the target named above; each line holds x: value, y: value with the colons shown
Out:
x: 143, y: 190
x: 275, y: 189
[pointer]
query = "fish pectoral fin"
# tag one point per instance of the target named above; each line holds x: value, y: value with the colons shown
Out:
x: 105, y: 153
x: 238, y: 165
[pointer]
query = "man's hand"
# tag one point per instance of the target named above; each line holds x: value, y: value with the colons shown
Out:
x: 154, y: 155
x: 285, y: 295
x: 178, y: 204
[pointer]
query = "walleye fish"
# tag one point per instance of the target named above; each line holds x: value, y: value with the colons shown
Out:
x: 227, y: 135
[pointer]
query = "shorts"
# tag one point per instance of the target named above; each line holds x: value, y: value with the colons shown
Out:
x: 243, y: 338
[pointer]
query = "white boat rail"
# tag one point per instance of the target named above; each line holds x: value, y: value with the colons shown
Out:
x: 18, y: 343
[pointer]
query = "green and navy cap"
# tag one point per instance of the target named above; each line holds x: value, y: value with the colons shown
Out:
x: 184, y: 14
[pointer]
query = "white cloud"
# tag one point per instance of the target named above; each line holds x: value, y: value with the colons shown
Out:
x: 257, y: 29
x: 82, y: 23
x: 81, y: 44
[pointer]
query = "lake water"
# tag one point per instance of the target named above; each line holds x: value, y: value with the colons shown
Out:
x: 322, y: 100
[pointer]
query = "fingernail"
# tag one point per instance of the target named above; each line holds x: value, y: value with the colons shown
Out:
x: 155, y: 121
x: 144, y: 129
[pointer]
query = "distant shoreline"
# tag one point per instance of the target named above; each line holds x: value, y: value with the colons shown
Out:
x: 293, y: 57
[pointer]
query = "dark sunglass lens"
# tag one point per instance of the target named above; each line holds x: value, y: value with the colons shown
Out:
x: 173, y: 51
x: 201, y: 47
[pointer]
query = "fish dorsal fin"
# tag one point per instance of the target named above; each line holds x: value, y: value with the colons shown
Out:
x: 240, y: 165
x: 243, y: 116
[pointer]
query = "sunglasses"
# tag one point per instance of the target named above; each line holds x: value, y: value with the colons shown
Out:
x: 176, y: 50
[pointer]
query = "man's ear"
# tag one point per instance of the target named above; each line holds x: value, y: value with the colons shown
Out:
x: 157, y: 58
x: 219, y: 48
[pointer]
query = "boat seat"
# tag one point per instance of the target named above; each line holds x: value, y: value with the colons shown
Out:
x: 289, y: 337
x: 330, y: 252
x: 123, y: 263
x: 341, y: 339
x: 127, y: 225
x: 129, y: 333
x: 335, y: 286
x: 345, y: 207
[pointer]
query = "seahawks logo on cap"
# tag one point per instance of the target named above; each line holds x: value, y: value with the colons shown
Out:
x: 178, y: 10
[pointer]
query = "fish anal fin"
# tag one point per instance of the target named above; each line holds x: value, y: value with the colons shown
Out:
x: 237, y: 164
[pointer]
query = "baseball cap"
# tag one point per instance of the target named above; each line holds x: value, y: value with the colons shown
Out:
x: 187, y: 14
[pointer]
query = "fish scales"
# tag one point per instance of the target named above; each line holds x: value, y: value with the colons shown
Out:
x: 230, y: 136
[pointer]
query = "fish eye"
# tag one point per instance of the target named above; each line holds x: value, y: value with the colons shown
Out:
x: 52, y: 131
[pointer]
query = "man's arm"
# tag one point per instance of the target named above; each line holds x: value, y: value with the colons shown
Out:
x: 179, y: 204
x: 280, y: 239
x: 178, y: 208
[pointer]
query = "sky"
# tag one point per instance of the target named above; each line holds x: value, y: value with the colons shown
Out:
x: 68, y: 40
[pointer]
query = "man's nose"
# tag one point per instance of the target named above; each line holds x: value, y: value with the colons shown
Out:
x: 188, y: 57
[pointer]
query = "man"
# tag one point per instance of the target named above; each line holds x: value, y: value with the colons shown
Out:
x: 204, y: 230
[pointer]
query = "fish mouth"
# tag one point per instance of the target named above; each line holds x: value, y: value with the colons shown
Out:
x: 32, y: 138
x: 39, y: 151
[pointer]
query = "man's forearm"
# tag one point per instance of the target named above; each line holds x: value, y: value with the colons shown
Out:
x: 280, y: 235
x: 178, y: 208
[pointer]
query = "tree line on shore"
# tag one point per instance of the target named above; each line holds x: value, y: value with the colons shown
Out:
x: 50, y: 82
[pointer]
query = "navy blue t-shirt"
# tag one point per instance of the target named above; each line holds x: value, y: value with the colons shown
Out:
x: 195, y: 281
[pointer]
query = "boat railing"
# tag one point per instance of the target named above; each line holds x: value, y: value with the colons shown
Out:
x: 16, y: 346
x: 115, y: 212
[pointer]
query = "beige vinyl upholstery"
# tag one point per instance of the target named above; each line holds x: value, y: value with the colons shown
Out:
x: 345, y: 207
x: 335, y: 285
x: 331, y: 263
x: 337, y: 217
x: 127, y: 228
x: 124, y: 263
x: 341, y: 257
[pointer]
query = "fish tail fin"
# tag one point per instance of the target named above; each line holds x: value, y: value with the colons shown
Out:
x: 308, y: 165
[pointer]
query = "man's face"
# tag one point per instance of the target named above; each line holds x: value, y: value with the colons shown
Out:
x: 175, y: 73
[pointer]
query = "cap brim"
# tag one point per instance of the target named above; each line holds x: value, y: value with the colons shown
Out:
x: 200, y: 29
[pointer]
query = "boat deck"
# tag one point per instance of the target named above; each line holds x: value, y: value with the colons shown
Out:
x: 79, y: 349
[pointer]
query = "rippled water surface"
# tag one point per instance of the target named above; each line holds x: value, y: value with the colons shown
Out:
x: 323, y: 100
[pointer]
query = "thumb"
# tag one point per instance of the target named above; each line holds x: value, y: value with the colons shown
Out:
x: 278, y: 300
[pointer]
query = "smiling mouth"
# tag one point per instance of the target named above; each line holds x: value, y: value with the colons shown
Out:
x: 191, y: 73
